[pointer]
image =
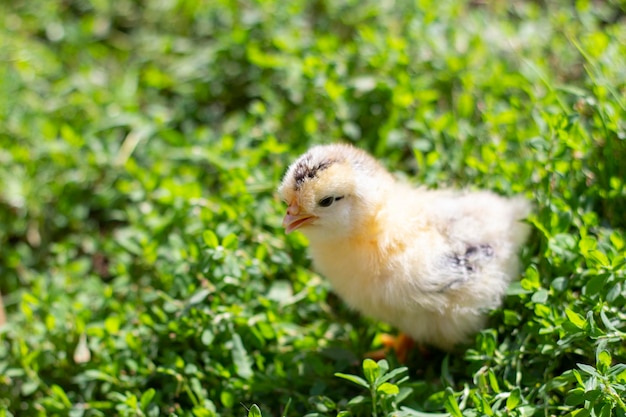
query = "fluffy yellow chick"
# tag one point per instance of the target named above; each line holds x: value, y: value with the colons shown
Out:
x: 430, y: 263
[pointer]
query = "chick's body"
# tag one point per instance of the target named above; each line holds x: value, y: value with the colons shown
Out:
x: 429, y: 262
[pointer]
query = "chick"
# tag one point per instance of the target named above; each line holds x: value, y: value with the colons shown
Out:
x: 429, y: 262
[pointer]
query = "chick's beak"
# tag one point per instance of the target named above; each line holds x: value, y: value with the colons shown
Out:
x: 294, y: 219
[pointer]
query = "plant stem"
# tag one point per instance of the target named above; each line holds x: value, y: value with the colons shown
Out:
x: 374, y: 401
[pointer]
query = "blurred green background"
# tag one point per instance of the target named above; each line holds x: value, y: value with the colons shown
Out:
x: 142, y: 263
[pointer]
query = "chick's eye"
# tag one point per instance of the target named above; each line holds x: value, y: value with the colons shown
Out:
x: 326, y: 201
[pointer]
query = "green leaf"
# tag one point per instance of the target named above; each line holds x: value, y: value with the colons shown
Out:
x: 323, y: 403
x: 587, y: 244
x: 146, y: 397
x: 560, y: 284
x: 575, y: 318
x: 581, y: 412
x: 531, y: 281
x: 617, y: 370
x: 482, y: 404
x: 112, y: 324
x: 614, y: 292
x: 540, y: 297
x: 358, y: 400
x: 98, y: 375
x: 511, y: 318
x: 514, y: 399
x: 603, y: 361
x: 254, y: 411
x: 493, y: 381
x: 595, y: 285
x: 405, y: 392
x: 393, y: 373
x: 383, y: 366
x: 599, y: 258
x: 588, y: 369
x: 607, y: 323
x: 207, y: 337
x: 230, y: 241
x: 280, y: 291
x: 516, y: 288
x: 389, y: 389
x: 451, y: 405
x: 577, y: 377
x: 575, y: 397
x: 199, y: 297
x: 370, y: 370
x: 593, y: 395
x: 210, y: 239
x: 353, y: 378
x: 61, y: 395
x: 243, y: 363
x: 227, y: 399
x: 605, y: 411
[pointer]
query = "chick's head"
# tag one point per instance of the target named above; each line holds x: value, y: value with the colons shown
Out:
x: 330, y: 190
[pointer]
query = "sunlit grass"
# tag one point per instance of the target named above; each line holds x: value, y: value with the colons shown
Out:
x: 143, y: 268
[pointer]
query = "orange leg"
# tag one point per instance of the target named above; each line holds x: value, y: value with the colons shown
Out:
x: 401, y: 344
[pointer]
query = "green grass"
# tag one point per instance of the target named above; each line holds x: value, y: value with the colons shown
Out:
x: 140, y: 147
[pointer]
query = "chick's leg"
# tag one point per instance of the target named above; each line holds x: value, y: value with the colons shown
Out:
x: 400, y: 344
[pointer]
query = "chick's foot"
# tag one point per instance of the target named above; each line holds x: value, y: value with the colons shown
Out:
x: 401, y: 345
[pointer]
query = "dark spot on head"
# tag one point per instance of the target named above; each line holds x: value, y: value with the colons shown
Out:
x: 305, y: 171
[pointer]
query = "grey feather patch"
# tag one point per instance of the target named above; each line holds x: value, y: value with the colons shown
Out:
x: 461, y: 267
x: 473, y: 256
